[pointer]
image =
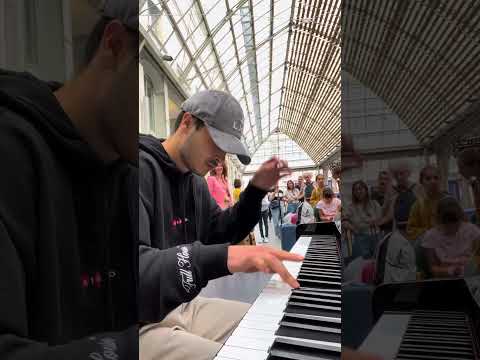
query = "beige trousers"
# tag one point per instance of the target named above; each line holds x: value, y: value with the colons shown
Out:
x: 195, y: 330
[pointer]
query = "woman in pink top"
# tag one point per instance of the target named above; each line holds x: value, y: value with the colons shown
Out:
x: 218, y: 186
x: 452, y: 243
x: 329, y: 206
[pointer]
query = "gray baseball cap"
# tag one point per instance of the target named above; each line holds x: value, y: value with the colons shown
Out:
x: 223, y: 117
x: 126, y: 11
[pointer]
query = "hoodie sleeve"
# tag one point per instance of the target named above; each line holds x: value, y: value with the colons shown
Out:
x: 17, y: 228
x: 232, y: 225
x: 170, y: 277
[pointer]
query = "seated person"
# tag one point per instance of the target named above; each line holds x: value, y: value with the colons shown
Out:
x: 329, y: 206
x: 452, y: 243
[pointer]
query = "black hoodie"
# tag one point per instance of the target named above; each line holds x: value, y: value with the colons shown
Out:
x: 184, y: 235
x: 67, y: 250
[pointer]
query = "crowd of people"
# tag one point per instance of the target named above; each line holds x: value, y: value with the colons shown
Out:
x: 407, y: 229
x: 303, y: 201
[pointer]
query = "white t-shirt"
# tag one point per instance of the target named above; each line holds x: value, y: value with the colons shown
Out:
x: 291, y: 196
x: 265, y: 203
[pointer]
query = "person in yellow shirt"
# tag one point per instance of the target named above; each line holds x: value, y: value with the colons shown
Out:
x: 422, y: 214
x: 237, y: 185
x: 317, y: 193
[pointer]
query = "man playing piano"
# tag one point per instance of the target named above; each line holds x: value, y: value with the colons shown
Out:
x: 185, y: 238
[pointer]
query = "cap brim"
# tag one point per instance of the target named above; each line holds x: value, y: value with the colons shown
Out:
x: 229, y: 144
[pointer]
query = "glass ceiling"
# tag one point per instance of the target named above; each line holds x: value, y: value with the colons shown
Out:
x: 280, y: 145
x: 251, y: 49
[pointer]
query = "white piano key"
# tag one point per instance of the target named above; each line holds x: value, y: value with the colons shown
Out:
x: 252, y: 333
x: 262, y: 317
x: 275, y: 303
x: 268, y: 310
x: 262, y: 344
x: 241, y: 353
x: 259, y: 325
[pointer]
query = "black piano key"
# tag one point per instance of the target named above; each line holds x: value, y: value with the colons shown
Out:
x: 453, y: 352
x: 437, y: 335
x: 320, y: 284
x: 282, y: 350
x: 316, y: 293
x: 326, y: 277
x: 329, y: 319
x: 321, y: 271
x: 306, y: 288
x: 427, y: 357
x: 315, y: 306
x: 298, y: 309
x: 322, y: 265
x: 315, y: 299
x: 437, y: 345
x: 435, y: 340
x: 308, y: 334
x: 311, y: 323
x: 307, y: 267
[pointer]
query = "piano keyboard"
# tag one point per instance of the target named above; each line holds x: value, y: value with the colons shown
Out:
x: 422, y: 334
x: 301, y: 324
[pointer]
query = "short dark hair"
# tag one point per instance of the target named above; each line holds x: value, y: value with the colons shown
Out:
x: 95, y: 38
x: 327, y: 192
x: 237, y: 183
x: 449, y: 211
x: 198, y: 123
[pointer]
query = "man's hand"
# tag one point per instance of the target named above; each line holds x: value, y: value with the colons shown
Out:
x: 267, y: 176
x: 263, y: 259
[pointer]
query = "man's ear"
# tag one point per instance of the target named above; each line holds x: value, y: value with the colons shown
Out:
x: 187, y: 121
x: 115, y: 42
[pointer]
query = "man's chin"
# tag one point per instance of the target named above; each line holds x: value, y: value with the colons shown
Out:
x: 198, y: 172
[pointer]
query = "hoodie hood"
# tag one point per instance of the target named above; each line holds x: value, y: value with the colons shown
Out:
x: 34, y: 100
x: 154, y: 147
x: 181, y: 190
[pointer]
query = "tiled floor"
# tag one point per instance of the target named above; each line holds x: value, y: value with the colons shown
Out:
x: 242, y: 287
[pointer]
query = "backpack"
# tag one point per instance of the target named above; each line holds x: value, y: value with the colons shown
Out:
x: 275, y: 203
x: 403, y: 204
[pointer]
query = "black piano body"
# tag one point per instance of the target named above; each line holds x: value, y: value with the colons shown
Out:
x: 431, y: 319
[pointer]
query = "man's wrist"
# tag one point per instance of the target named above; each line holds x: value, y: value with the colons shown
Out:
x: 254, y: 190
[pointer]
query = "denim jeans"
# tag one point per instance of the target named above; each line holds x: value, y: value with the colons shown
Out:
x: 276, y: 216
x: 292, y: 208
x: 364, y: 245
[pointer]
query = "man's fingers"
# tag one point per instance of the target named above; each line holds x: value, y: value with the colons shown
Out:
x: 281, y: 176
x: 277, y: 266
x: 285, y: 255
